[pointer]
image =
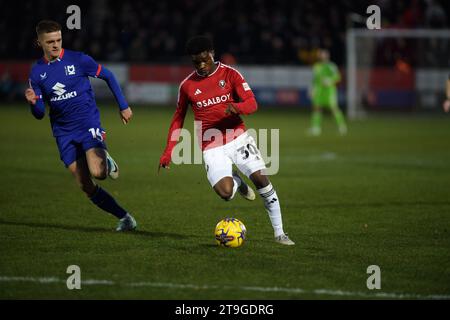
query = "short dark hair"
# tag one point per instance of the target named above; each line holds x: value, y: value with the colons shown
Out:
x: 199, y: 44
x: 46, y: 26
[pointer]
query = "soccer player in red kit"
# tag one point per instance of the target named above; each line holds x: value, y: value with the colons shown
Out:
x: 218, y: 95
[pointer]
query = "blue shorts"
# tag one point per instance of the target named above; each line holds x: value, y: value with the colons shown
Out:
x: 73, y: 146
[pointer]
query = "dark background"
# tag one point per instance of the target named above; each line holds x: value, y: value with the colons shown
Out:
x: 246, y: 32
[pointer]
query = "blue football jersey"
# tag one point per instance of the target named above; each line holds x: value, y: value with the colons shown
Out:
x: 64, y: 85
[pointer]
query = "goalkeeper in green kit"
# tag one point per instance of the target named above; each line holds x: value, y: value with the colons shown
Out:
x: 324, y: 93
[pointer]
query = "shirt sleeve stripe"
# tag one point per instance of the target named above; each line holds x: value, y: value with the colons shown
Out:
x: 181, y: 84
x: 98, y: 70
x: 227, y: 66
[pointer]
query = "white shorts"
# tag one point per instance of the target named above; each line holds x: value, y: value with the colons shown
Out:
x: 242, y: 151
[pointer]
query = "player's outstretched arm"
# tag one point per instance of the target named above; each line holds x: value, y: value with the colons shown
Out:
x: 92, y: 69
x: 172, y: 138
x: 174, y: 130
x: 37, y: 106
x: 125, y: 111
x: 246, y: 107
x: 247, y: 104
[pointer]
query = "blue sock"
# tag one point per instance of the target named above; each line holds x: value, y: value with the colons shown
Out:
x: 105, y: 201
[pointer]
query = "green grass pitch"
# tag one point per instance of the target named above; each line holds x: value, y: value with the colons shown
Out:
x: 379, y: 196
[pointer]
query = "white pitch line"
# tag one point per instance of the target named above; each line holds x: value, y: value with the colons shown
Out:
x: 30, y: 279
x: 166, y: 285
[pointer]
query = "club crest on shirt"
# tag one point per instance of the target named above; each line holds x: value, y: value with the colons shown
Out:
x: 222, y: 83
x: 70, y: 70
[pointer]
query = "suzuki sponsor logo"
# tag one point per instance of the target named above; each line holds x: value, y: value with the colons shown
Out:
x: 212, y: 101
x: 60, y: 92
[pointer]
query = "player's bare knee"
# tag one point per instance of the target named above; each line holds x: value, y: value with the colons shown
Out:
x: 99, y: 173
x: 101, y: 176
x: 224, y: 188
x: 225, y: 193
x: 259, y: 180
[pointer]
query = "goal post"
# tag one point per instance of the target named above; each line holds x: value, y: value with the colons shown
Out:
x: 396, y: 69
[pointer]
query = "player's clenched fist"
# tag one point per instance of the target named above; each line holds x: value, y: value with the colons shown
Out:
x: 126, y: 115
x: 446, y: 105
x: 164, y: 161
x: 30, y: 96
x: 231, y: 109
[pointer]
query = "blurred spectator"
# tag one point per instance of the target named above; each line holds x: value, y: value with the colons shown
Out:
x: 435, y: 16
x: 228, y: 59
x: 254, y: 31
x: 412, y: 16
x: 8, y: 88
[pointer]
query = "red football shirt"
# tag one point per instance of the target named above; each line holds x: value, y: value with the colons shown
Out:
x: 208, y: 97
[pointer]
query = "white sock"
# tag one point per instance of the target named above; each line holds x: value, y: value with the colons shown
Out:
x: 272, y: 204
x: 236, y: 184
x: 108, y: 165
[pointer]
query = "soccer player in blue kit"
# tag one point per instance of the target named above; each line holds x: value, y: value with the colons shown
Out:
x: 60, y: 79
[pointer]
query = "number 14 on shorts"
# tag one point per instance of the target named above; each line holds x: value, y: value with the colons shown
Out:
x: 98, y: 134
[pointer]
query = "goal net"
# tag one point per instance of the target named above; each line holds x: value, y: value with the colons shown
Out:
x: 396, y: 69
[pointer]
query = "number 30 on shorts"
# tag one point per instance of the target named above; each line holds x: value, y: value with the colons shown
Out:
x: 247, y: 150
x: 97, y: 134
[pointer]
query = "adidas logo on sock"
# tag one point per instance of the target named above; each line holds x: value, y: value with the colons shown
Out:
x: 273, y: 200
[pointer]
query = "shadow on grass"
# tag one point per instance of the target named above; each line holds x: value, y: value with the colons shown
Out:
x: 212, y: 244
x: 94, y: 229
x: 208, y: 245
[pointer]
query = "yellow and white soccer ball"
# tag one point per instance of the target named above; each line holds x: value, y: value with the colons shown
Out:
x: 230, y: 232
